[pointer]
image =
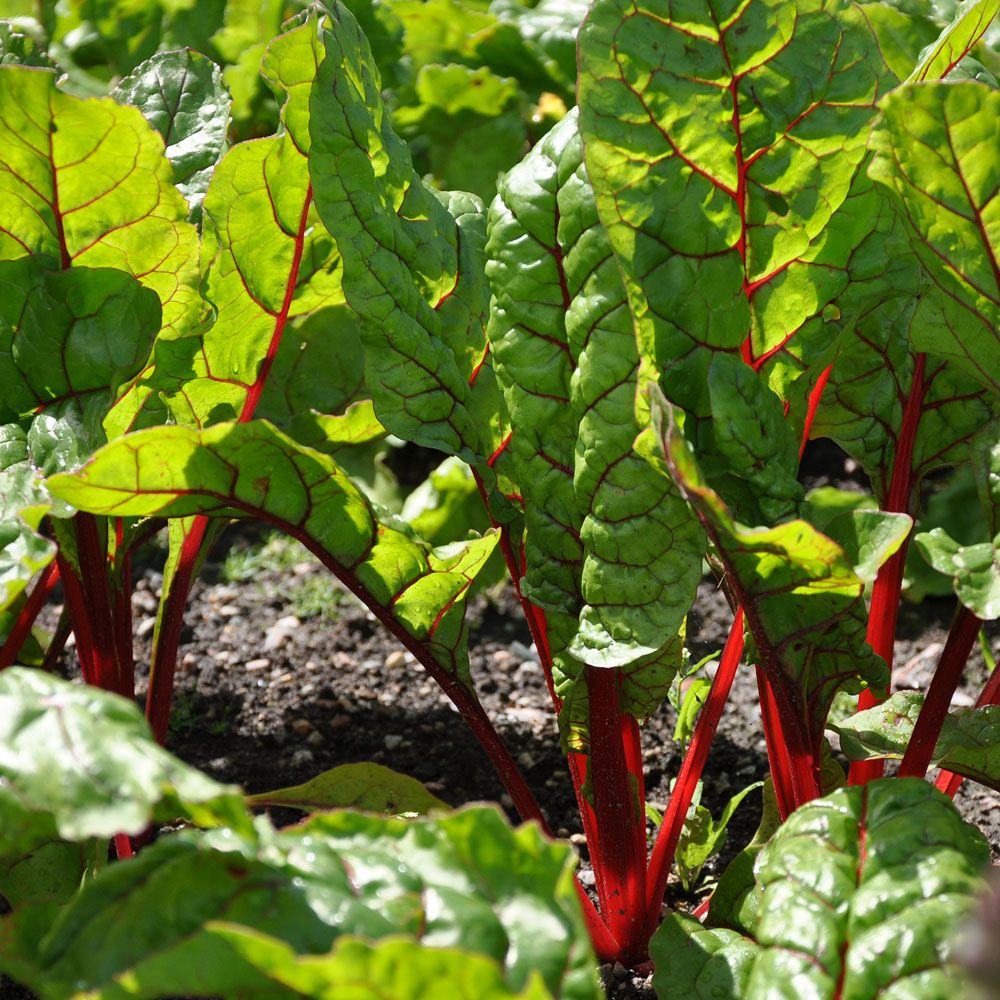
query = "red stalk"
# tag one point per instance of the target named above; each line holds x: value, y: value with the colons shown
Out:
x: 961, y: 638
x: 76, y: 608
x: 777, y: 749
x: 619, y: 812
x: 26, y: 618
x: 947, y: 781
x: 665, y: 847
x: 888, y: 584
x: 122, y: 614
x: 123, y: 846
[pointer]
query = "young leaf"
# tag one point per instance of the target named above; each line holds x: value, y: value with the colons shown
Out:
x: 937, y: 156
x: 969, y: 743
x: 465, y: 881
x: 370, y: 787
x: 182, y: 96
x: 77, y: 762
x: 412, y: 259
x: 861, y: 894
x: 720, y: 144
x: 252, y: 469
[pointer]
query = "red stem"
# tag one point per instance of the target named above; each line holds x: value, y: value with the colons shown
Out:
x: 76, y: 607
x: 619, y: 812
x: 948, y: 782
x: 777, y: 749
x: 665, y: 847
x: 961, y: 638
x: 122, y: 593
x: 26, y: 617
x: 884, y: 610
x: 164, y: 660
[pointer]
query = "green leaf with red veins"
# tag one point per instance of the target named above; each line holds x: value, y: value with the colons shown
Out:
x: 562, y: 339
x: 972, y: 18
x: 862, y: 894
x: 721, y: 140
x: 85, y: 183
x: 182, y: 96
x: 969, y: 742
x: 253, y: 470
x: 804, y: 603
x: 79, y: 333
x: 412, y: 260
x: 937, y: 155
x: 267, y: 258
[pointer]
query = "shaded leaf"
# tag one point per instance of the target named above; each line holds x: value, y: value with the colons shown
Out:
x: 370, y: 787
x: 972, y: 18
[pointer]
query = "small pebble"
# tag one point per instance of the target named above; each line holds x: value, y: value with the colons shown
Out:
x: 521, y: 652
x: 396, y: 660
x: 340, y: 722
x: 392, y: 741
x: 228, y: 611
x: 259, y: 664
x: 145, y: 627
x: 280, y: 631
x: 301, y: 727
x: 315, y: 738
x: 586, y: 877
x: 302, y: 757
x: 506, y: 801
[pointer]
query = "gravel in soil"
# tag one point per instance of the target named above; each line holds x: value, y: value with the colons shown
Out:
x: 283, y: 675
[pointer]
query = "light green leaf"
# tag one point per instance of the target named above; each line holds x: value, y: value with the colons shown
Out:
x: 972, y: 18
x: 254, y: 470
x: 370, y: 787
x: 77, y: 762
x: 937, y: 146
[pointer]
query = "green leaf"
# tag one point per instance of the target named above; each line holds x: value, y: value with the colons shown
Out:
x: 972, y: 18
x: 77, y: 762
x: 862, y: 894
x: 20, y: 48
x: 904, y: 31
x: 754, y: 439
x: 464, y: 881
x: 267, y: 258
x: 182, y: 96
x: 722, y: 143
x: 50, y: 873
x: 969, y: 743
x: 612, y: 554
x: 370, y: 787
x: 937, y: 156
x: 867, y: 535
x: 387, y: 970
x: 70, y: 333
x: 252, y: 469
x: 702, y: 837
x: 803, y: 601
x: 695, y: 696
x: 85, y: 183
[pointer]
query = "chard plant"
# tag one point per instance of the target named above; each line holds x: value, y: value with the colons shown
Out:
x: 763, y: 223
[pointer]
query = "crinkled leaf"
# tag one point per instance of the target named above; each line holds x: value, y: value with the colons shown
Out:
x: 370, y: 787
x: 803, y: 601
x: 937, y: 147
x: 77, y: 762
x: 182, y: 96
x: 412, y: 259
x: 465, y: 881
x: 19, y: 48
x: 85, y: 183
x: 969, y: 743
x: 972, y: 18
x: 252, y: 469
x: 721, y: 142
x: 862, y: 894
x: 612, y: 554
x: 755, y: 439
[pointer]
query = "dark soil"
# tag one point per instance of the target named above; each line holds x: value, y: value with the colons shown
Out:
x: 271, y: 692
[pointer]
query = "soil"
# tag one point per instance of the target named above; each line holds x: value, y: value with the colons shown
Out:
x: 271, y: 690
